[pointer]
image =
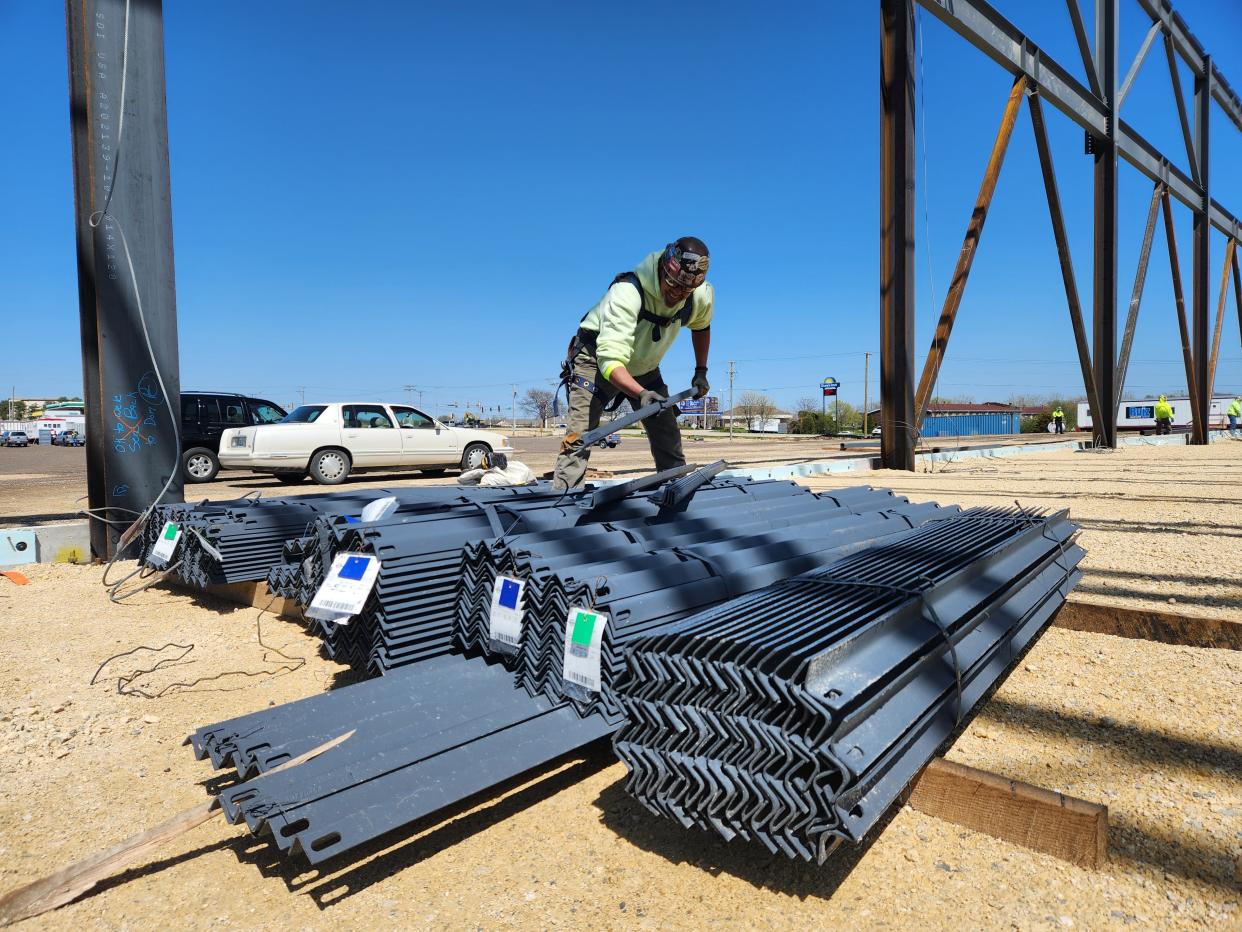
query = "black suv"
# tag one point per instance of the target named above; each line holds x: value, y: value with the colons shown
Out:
x: 206, y: 415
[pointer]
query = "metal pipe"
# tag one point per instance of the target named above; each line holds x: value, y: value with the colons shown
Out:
x: 898, y: 419
x: 1063, y: 254
x: 1136, y: 295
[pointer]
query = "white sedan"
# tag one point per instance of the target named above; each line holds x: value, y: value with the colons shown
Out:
x: 329, y: 441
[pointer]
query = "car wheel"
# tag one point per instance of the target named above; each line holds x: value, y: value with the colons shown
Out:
x: 201, y: 464
x: 289, y: 478
x: 472, y: 458
x: 330, y: 467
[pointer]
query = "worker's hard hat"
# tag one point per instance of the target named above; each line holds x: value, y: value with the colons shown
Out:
x: 684, y: 263
x: 1163, y: 398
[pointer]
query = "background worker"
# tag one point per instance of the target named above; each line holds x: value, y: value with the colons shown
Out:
x: 1233, y: 413
x: 1164, y: 416
x: 619, y: 345
x: 1058, y: 419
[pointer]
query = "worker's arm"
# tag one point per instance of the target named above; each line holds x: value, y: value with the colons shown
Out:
x: 702, y: 340
x: 622, y: 379
x: 618, y: 319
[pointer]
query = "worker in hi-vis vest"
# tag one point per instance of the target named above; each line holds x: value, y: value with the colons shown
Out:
x: 1164, y: 416
x: 1233, y: 413
x: 1058, y: 419
x: 616, y: 352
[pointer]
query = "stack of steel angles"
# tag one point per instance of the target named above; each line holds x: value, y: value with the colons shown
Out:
x: 423, y: 738
x: 794, y: 716
x: 243, y: 539
x: 639, y: 573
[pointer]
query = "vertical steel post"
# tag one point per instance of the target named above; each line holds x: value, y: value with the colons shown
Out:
x: 898, y: 418
x: 126, y: 291
x: 1104, y: 291
x: 1201, y: 256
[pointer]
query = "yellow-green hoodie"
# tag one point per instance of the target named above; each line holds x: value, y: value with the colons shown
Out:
x: 624, y: 340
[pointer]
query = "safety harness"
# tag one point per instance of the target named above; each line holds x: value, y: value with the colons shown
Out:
x: 585, y: 339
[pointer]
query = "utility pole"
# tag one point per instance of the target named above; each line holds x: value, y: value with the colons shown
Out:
x: 866, y: 396
x: 513, y: 412
x: 12, y: 402
x: 302, y: 395
x: 409, y: 393
x: 732, y: 413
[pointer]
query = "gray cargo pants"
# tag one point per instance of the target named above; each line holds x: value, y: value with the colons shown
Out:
x: 585, y: 409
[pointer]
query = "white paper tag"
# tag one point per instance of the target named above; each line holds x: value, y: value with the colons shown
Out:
x: 584, y: 635
x: 505, y: 619
x: 345, y: 589
x: 380, y: 508
x: 166, y: 546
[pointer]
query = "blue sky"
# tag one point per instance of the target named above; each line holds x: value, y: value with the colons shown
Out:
x: 371, y: 195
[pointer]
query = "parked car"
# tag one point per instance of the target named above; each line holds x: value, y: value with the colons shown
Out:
x: 69, y: 438
x: 330, y: 441
x: 610, y: 441
x: 875, y: 431
x: 205, y: 416
x: 16, y: 438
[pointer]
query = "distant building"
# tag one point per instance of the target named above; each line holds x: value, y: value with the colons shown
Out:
x: 967, y: 419
x: 777, y: 422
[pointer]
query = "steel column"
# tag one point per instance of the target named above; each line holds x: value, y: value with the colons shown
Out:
x: 1063, y: 254
x: 1136, y: 295
x: 1104, y: 292
x: 1179, y: 300
x: 1201, y: 273
x: 970, y: 245
x: 898, y: 418
x: 123, y: 213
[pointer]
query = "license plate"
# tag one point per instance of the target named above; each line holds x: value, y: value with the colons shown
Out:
x: 239, y: 441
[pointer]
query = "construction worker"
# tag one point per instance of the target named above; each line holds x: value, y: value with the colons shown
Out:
x: 617, y: 350
x: 1164, y: 416
x: 1058, y: 419
x: 1233, y: 413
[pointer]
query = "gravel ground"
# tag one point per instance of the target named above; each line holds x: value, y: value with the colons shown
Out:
x: 1162, y: 525
x: 1150, y: 729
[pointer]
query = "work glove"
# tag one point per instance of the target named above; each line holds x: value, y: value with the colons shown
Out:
x: 699, y: 382
x: 648, y: 397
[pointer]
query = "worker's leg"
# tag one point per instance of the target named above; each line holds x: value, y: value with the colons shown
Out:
x: 584, y: 413
x: 663, y: 434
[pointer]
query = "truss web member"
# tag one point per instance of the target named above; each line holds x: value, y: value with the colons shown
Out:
x: 617, y: 350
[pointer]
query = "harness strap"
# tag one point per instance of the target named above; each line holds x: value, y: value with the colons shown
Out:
x: 657, y: 322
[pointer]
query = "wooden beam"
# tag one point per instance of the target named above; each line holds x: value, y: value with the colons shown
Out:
x: 1071, y: 829
x: 1149, y: 625
x: 974, y: 231
x: 248, y: 593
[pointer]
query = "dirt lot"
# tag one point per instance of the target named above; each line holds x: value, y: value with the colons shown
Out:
x: 1152, y: 730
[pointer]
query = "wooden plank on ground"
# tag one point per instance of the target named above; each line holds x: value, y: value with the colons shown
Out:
x: 1071, y: 829
x: 1149, y: 625
x: 250, y: 593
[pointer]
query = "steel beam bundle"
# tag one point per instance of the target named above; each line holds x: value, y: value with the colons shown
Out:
x: 423, y: 738
x: 795, y: 716
x: 648, y: 574
x: 241, y: 540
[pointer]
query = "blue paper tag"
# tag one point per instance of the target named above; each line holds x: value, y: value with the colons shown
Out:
x: 354, y: 567
x: 509, y: 593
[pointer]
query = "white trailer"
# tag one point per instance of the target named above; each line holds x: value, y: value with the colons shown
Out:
x: 1141, y: 414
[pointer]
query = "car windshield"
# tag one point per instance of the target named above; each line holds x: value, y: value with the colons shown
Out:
x: 304, y: 414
